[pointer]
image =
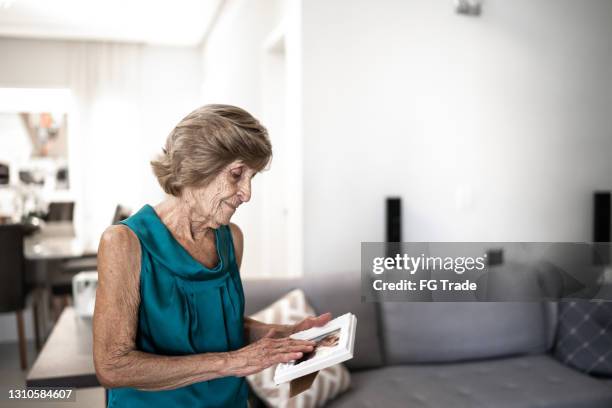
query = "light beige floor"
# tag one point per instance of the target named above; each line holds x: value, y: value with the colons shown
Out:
x: 12, y: 376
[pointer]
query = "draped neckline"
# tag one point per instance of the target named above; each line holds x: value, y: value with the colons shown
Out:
x: 167, y: 239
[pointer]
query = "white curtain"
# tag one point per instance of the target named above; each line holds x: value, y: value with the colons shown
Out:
x: 106, y: 129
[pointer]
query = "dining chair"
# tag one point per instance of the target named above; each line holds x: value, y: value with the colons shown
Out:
x: 13, y: 290
x: 4, y: 174
x: 121, y: 213
x: 60, y: 211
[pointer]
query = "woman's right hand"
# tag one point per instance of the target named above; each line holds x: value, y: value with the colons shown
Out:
x: 266, y: 352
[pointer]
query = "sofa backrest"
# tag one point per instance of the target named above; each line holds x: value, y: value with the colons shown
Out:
x: 434, y: 332
x: 339, y: 295
x: 447, y: 332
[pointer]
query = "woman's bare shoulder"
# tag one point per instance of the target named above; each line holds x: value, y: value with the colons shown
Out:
x: 119, y: 236
x: 238, y: 240
x: 236, y: 232
x: 119, y: 243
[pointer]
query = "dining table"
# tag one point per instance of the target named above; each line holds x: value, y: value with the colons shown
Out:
x: 52, y: 252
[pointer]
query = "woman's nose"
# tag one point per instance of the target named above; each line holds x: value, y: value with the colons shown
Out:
x: 245, y: 191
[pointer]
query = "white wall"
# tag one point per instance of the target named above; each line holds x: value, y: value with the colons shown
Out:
x: 15, y: 143
x: 494, y: 128
x: 489, y: 128
x: 33, y: 63
x: 232, y: 73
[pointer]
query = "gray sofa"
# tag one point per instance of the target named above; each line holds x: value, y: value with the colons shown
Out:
x: 445, y: 354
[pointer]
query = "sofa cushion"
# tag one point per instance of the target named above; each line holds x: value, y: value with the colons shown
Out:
x: 447, y: 332
x: 338, y: 294
x: 260, y: 293
x: 429, y: 332
x: 584, y: 339
x: 525, y: 382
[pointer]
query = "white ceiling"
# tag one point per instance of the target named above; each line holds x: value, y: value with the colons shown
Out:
x: 176, y: 22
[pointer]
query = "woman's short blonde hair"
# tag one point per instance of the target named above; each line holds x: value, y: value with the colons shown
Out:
x: 207, y: 140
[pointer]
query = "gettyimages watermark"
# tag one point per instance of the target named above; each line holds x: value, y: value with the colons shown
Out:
x: 485, y: 271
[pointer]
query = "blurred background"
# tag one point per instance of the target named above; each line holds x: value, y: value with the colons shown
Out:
x: 490, y: 120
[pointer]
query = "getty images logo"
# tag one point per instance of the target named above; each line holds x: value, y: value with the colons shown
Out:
x: 413, y: 264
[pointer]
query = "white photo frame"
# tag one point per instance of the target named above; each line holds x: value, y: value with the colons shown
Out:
x: 328, y: 352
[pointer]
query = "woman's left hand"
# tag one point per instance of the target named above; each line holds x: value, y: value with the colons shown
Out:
x: 309, y: 322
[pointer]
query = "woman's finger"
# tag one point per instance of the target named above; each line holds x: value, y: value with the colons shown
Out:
x: 294, y: 349
x: 310, y: 322
x: 283, y: 357
x: 293, y: 345
x: 302, y: 342
x: 287, y: 357
x: 323, y: 319
x: 288, y: 340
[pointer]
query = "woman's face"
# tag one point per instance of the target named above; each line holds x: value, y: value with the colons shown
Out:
x: 218, y: 201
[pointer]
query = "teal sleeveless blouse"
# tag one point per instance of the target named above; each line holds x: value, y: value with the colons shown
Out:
x: 185, y: 308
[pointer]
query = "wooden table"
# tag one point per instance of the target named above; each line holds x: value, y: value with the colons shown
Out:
x: 66, y: 359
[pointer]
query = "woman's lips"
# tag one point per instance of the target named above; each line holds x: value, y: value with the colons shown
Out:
x: 230, y: 206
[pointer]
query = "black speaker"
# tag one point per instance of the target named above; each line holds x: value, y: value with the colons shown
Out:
x: 495, y: 256
x: 394, y: 219
x: 601, y: 217
x: 4, y: 174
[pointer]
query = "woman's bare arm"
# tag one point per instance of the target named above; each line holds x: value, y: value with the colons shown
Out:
x: 119, y: 364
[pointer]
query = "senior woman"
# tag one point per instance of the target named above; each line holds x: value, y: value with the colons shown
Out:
x: 169, y: 325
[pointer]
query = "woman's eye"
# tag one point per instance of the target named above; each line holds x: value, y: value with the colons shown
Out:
x: 236, y: 174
